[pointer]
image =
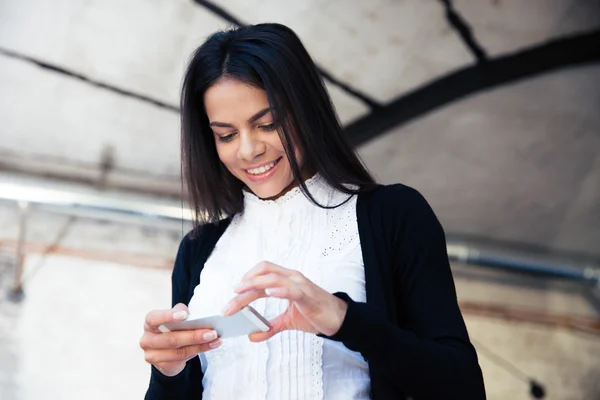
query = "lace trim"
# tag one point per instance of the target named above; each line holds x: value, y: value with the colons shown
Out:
x: 262, y: 370
x: 330, y: 233
x: 316, y: 353
x: 316, y: 181
x: 341, y: 226
x: 316, y: 367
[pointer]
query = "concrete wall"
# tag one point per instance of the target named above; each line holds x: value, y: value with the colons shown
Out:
x: 514, y: 163
x: 89, y: 284
x: 519, y: 162
x: 53, y: 122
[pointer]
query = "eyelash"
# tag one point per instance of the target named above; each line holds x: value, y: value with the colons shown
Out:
x: 264, y: 128
x: 267, y: 128
x: 227, y: 138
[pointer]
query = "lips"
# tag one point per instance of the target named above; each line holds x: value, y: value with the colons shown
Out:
x: 263, y: 172
x: 262, y: 169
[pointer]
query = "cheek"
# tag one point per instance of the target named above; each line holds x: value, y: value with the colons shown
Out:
x: 278, y: 146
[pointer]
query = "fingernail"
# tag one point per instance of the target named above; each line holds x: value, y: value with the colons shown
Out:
x: 237, y: 287
x: 208, y: 336
x: 227, y: 308
x: 215, y: 344
x: 180, y: 315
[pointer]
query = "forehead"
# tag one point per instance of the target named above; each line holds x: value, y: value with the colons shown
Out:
x: 230, y: 100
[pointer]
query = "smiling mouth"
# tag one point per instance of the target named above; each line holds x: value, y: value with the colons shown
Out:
x: 263, y: 169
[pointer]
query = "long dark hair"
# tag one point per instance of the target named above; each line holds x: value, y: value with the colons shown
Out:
x: 271, y: 57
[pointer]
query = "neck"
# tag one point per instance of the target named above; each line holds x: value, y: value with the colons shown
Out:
x: 304, y: 176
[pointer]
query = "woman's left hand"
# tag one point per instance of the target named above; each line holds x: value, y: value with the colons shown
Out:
x: 311, y: 308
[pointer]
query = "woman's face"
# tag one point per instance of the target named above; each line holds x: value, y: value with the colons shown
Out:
x: 246, y: 137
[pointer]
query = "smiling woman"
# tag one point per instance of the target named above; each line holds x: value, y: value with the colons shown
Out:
x: 248, y: 143
x: 353, y: 276
x: 259, y: 94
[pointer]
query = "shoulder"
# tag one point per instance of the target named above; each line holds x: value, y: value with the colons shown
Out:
x: 401, y: 218
x: 396, y: 199
x: 397, y: 191
x: 199, y: 238
x: 398, y: 208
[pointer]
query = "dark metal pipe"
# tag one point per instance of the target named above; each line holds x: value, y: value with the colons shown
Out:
x: 518, y: 262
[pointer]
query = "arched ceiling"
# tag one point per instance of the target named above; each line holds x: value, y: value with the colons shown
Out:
x: 490, y: 108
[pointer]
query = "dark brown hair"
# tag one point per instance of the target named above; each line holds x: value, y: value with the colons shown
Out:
x: 271, y: 57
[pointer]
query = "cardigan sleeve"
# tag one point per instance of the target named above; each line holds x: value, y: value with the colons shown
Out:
x: 428, y: 355
x: 188, y: 383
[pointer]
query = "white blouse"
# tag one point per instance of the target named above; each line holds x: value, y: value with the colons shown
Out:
x: 324, y: 245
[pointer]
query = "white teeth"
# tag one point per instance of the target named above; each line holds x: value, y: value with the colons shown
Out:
x: 261, y: 170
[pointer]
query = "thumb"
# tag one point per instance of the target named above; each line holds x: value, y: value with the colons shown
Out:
x: 276, y: 326
x: 180, y: 312
x: 180, y: 307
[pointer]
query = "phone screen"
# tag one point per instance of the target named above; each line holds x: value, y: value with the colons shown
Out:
x: 244, y: 322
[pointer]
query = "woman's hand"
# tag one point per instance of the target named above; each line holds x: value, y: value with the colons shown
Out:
x: 169, y: 351
x: 311, y: 308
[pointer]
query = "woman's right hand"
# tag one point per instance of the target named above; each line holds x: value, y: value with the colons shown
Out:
x: 169, y: 351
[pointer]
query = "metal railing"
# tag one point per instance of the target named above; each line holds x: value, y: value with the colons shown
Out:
x: 79, y: 201
x: 518, y: 261
x: 93, y: 203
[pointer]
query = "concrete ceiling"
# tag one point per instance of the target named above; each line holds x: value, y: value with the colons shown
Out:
x: 490, y: 108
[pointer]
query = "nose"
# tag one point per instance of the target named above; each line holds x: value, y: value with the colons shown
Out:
x: 250, y: 146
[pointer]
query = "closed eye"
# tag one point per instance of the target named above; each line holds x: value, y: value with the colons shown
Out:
x: 227, y: 138
x: 268, y: 127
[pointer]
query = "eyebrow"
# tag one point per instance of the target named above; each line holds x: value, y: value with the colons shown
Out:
x: 252, y: 119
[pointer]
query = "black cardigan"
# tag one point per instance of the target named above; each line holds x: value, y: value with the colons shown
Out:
x: 410, y: 330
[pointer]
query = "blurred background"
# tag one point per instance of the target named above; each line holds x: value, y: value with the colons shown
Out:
x: 490, y: 108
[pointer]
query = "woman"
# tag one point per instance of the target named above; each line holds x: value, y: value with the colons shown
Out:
x: 353, y: 276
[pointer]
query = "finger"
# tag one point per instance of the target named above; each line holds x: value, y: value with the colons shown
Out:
x: 265, y: 267
x: 242, y: 300
x: 180, y: 307
x: 273, y: 285
x: 302, y: 296
x: 261, y: 336
x: 159, y: 317
x: 272, y: 279
x: 181, y: 354
x: 276, y: 324
x: 292, y: 293
x: 174, y: 340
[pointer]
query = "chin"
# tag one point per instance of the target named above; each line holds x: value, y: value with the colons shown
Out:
x: 267, y: 191
x: 272, y: 187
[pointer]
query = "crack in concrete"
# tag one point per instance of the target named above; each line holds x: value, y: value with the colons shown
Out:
x: 74, y: 75
x: 464, y: 30
x: 325, y: 74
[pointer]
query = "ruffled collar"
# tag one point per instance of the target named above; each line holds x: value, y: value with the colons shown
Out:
x: 318, y: 187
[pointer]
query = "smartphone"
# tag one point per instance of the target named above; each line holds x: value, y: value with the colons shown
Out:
x: 244, y: 322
